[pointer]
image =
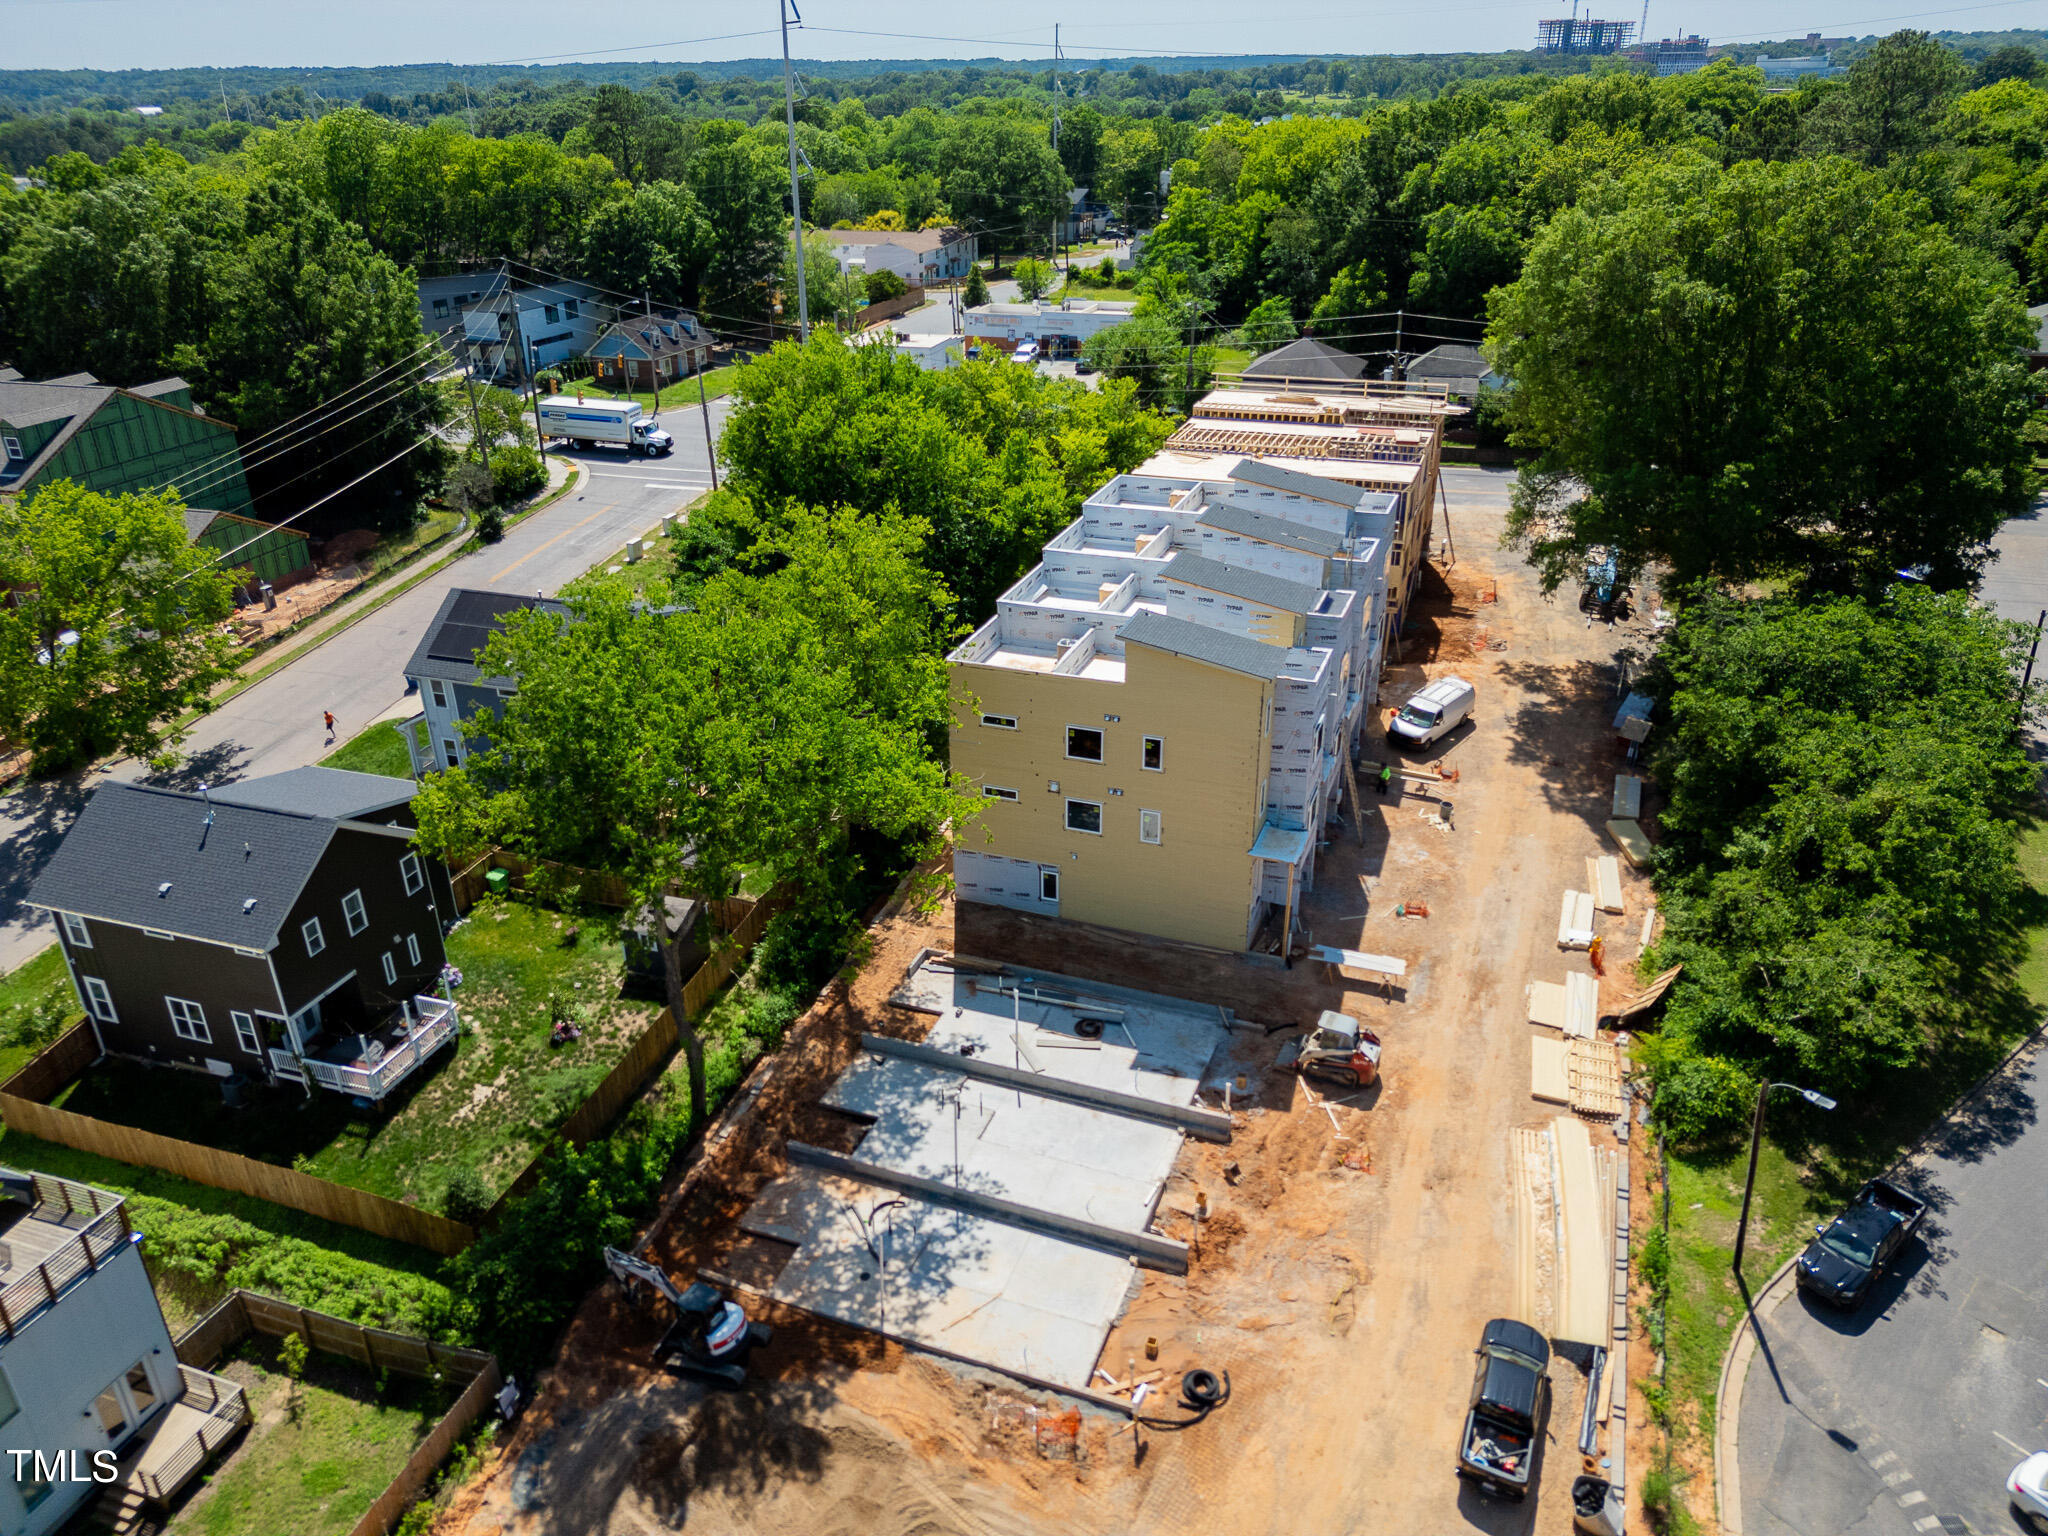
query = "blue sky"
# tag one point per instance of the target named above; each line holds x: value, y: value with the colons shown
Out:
x: 163, y: 34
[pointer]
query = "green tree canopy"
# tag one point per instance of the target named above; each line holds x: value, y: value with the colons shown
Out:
x: 1003, y: 181
x: 657, y: 242
x: 114, y: 629
x: 1776, y: 368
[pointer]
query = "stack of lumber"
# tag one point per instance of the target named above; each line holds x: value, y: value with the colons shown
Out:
x: 1575, y: 920
x: 1628, y: 797
x: 1530, y: 1161
x: 1593, y: 1077
x: 1549, y: 1070
x: 1586, y: 1179
x: 1628, y: 836
x: 1604, y: 876
x: 1573, y: 1006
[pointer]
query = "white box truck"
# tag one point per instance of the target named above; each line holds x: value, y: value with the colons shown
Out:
x: 586, y: 423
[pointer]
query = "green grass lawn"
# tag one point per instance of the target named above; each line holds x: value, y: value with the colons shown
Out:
x: 488, y: 1104
x: 718, y: 383
x: 34, y: 995
x: 435, y: 526
x: 1231, y: 359
x: 1085, y: 287
x: 380, y: 749
x: 319, y: 1452
x: 1813, y: 1161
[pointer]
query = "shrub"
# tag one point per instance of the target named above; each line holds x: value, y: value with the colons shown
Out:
x: 885, y: 285
x: 490, y: 525
x: 469, y: 487
x: 516, y: 473
x: 466, y: 1197
x: 1699, y: 1098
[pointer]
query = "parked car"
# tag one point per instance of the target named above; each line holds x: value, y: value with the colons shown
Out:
x: 1434, y: 713
x: 1083, y: 367
x: 1851, y: 1251
x: 2028, y: 1486
x: 1026, y: 353
x: 1510, y: 1405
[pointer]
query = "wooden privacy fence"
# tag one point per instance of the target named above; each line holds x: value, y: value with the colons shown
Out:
x: 744, y: 932
x: 593, y: 885
x: 245, y: 1312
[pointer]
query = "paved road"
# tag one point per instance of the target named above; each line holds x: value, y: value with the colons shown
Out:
x: 276, y: 724
x: 1903, y: 1419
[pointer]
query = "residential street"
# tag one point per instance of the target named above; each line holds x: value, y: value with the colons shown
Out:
x: 358, y: 674
x: 1905, y: 1417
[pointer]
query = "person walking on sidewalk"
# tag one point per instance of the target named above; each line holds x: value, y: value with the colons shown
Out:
x: 328, y: 716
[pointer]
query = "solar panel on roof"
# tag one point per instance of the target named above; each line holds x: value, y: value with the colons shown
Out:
x: 483, y: 607
x: 460, y: 642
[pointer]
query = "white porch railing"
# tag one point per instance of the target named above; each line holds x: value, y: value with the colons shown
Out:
x: 437, y: 1025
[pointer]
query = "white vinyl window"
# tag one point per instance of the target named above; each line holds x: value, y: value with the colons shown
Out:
x: 409, y: 866
x: 315, y: 939
x: 1148, y: 826
x: 390, y: 970
x: 451, y: 758
x: 1048, y: 884
x: 245, y: 1032
x: 1000, y: 722
x: 996, y: 792
x: 76, y: 931
x: 188, y: 1020
x: 1154, y: 756
x: 1084, y: 816
x: 12, y: 445
x: 412, y: 949
x: 99, y: 999
x: 438, y: 692
x: 353, y: 914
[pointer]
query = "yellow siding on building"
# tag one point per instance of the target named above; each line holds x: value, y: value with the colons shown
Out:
x: 1197, y: 883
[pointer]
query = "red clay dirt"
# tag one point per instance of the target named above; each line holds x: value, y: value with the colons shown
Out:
x: 1343, y: 1272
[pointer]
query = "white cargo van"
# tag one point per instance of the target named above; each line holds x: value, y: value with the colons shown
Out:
x: 586, y: 423
x: 1433, y: 713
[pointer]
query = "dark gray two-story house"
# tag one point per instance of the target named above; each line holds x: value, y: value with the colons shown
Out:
x: 284, y: 928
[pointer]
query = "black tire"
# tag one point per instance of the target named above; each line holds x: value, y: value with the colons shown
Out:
x: 1202, y: 1389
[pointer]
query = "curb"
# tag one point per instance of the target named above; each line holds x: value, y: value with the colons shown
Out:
x: 1734, y: 1372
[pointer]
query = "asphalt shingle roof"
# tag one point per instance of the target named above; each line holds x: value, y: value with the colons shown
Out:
x: 334, y: 793
x: 466, y: 621
x: 1306, y: 359
x: 1253, y: 586
x: 131, y: 839
x: 1271, y: 530
x: 1205, y: 643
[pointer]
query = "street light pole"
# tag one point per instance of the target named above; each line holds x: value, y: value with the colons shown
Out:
x: 796, y: 197
x: 1756, y: 1137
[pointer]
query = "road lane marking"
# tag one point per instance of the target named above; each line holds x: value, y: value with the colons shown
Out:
x: 1893, y: 1479
x: 600, y: 512
x: 1884, y: 1460
x: 1908, y: 1500
x: 1927, y: 1522
x: 2013, y: 1443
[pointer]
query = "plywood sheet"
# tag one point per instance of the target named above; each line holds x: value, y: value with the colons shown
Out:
x: 1575, y: 920
x: 1628, y: 836
x: 1535, y: 1196
x: 1628, y: 797
x: 1593, y: 1073
x: 1581, y: 1005
x: 1547, y: 1004
x: 1606, y: 882
x: 1549, y: 1075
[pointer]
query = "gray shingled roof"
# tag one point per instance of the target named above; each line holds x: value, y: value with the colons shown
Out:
x: 28, y: 403
x: 467, y: 619
x: 1270, y: 529
x: 1252, y: 586
x: 1307, y: 359
x: 334, y: 793
x: 130, y: 839
x: 1205, y: 643
x: 1273, y: 478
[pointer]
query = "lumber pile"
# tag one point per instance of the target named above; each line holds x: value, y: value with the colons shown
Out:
x: 1628, y: 837
x: 1549, y: 1071
x: 1593, y: 1077
x: 1586, y: 1179
x: 1628, y: 797
x: 1535, y: 1253
x: 1604, y: 876
x: 1575, y: 920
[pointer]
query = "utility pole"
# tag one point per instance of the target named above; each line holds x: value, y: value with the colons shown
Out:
x: 475, y: 415
x: 710, y: 448
x: 2033, y: 651
x: 647, y: 309
x: 1756, y: 1140
x: 796, y: 196
x: 1058, y: 219
x: 531, y: 356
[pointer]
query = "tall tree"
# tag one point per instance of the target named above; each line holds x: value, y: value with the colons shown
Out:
x: 114, y: 627
x: 1003, y: 180
x: 1896, y: 94
x: 1780, y: 368
x: 658, y: 241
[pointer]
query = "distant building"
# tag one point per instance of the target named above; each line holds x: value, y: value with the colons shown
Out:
x: 1305, y: 359
x: 921, y: 257
x: 512, y: 330
x: 932, y: 353
x: 114, y: 440
x: 261, y: 551
x: 1060, y: 328
x: 1461, y: 371
x: 644, y: 352
x: 147, y: 111
x: 1582, y: 34
x: 2037, y: 357
x: 1678, y: 55
x: 443, y: 299
x: 1790, y: 71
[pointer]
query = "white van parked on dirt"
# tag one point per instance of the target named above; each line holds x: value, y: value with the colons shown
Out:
x: 1433, y: 713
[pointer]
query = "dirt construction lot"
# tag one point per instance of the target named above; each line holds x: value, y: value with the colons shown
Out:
x: 1351, y: 1256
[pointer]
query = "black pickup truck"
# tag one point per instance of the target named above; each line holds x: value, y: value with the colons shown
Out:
x: 1510, y: 1402
x: 1851, y: 1251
